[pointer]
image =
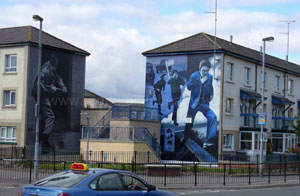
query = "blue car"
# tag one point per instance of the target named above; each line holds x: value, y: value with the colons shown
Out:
x: 83, y: 181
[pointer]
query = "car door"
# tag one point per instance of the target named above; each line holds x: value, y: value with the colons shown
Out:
x: 108, y: 184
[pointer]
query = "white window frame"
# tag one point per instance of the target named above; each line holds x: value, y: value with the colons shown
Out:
x: 277, y: 84
x: 228, y: 144
x: 6, y: 137
x: 229, y: 105
x: 291, y: 86
x: 247, y: 76
x: 9, y: 68
x: 287, y: 138
x: 10, y: 101
x: 230, y: 71
x: 248, y: 141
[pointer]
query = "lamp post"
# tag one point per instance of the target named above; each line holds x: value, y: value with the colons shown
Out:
x: 88, y: 135
x: 262, y: 103
x: 37, y: 106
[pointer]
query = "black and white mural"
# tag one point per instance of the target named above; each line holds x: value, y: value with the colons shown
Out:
x: 60, y: 100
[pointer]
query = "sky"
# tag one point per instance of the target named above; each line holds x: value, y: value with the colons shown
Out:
x: 116, y: 32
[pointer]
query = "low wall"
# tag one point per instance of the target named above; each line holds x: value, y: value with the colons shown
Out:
x: 119, y: 152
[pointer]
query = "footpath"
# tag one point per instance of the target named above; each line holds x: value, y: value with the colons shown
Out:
x: 236, y: 186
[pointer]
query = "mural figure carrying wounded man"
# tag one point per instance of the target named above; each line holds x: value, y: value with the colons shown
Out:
x: 202, y: 92
x: 51, y: 82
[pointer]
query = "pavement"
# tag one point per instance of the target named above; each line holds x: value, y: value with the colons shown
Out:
x: 237, y: 186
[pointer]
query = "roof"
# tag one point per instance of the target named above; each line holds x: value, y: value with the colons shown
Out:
x: 89, y: 94
x: 204, y: 42
x: 249, y: 94
x: 280, y: 100
x: 30, y: 35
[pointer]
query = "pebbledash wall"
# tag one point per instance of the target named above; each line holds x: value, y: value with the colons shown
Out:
x: 172, y: 86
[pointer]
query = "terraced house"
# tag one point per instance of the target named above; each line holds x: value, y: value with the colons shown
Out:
x: 235, y: 98
x: 62, y: 84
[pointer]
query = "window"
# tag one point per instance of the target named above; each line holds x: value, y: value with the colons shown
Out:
x: 230, y: 71
x: 11, y: 63
x: 229, y: 102
x: 8, y: 134
x: 107, y: 182
x: 291, y: 113
x: 228, y: 142
x: 291, y: 86
x: 277, y: 142
x: 246, y: 141
x: 277, y: 84
x: 247, y: 76
x: 64, y: 179
x: 290, y: 142
x: 132, y: 183
x: 283, y: 142
x: 9, y: 98
x: 246, y: 110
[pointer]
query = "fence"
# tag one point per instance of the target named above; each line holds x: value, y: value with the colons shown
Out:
x: 156, y: 172
x: 186, y: 173
x: 135, y: 112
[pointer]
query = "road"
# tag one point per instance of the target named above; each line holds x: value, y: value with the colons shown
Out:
x: 289, y: 191
x: 9, y: 190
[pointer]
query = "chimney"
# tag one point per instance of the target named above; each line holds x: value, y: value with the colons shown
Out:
x: 261, y: 50
x: 230, y: 43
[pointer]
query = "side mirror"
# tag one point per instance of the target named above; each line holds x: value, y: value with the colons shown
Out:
x: 151, y: 188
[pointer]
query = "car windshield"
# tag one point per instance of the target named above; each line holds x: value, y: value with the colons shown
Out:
x: 63, y: 179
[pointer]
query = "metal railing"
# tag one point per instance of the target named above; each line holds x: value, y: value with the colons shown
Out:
x: 105, y: 120
x: 249, y: 121
x: 135, y: 112
x: 157, y: 172
x: 286, y: 124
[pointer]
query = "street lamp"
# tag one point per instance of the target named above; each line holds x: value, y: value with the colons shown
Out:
x: 37, y: 106
x: 269, y: 39
x: 88, y: 135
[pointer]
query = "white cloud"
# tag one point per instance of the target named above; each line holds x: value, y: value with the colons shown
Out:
x: 116, y: 32
x: 231, y: 3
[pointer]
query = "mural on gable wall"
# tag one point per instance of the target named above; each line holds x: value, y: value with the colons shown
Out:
x: 186, y: 92
x: 59, y: 127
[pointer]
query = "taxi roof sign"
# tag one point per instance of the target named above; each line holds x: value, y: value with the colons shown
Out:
x: 79, y: 167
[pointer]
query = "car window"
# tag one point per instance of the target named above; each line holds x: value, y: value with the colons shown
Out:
x: 63, y: 179
x: 132, y: 183
x: 107, y: 182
